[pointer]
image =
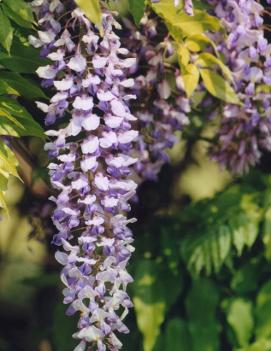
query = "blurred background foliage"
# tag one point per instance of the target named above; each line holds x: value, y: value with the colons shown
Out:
x: 203, y: 239
x: 202, y: 265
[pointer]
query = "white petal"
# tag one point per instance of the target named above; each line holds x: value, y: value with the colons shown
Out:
x: 42, y: 106
x: 118, y: 108
x: 90, y: 145
x: 113, y: 121
x: 77, y: 63
x: 127, y: 137
x: 99, y: 61
x: 128, y: 83
x: 83, y: 103
x: 46, y: 72
x: 64, y: 84
x: 91, y: 122
x: 101, y: 182
x: 89, y: 163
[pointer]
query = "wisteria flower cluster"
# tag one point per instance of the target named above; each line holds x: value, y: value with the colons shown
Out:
x: 161, y: 106
x: 246, y: 129
x: 91, y: 159
x: 117, y: 103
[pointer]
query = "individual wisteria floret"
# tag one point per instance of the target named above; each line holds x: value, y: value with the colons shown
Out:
x: 91, y: 159
x: 246, y: 129
x: 161, y: 105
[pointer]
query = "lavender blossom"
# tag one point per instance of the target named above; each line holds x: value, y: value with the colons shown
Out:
x: 246, y: 130
x: 188, y: 7
x: 162, y: 106
x: 91, y: 159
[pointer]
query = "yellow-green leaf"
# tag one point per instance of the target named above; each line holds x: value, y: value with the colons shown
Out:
x: 198, y: 42
x: 8, y: 161
x: 6, y: 88
x: 21, y: 85
x: 207, y: 60
x: 197, y: 24
x: 182, y: 25
x: 6, y: 31
x: 218, y: 86
x: 151, y: 298
x: 190, y: 77
x: 21, y: 8
x: 3, y: 203
x: 183, y: 55
x: 22, y: 123
x: 92, y: 10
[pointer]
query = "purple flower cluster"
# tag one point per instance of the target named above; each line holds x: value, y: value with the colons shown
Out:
x: 91, y: 161
x: 246, y: 129
x: 161, y: 105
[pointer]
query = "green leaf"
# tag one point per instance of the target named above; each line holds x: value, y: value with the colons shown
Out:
x: 230, y: 220
x: 246, y: 279
x: 201, y: 304
x: 8, y: 167
x: 6, y: 31
x: 3, y: 203
x: 21, y: 8
x: 198, y: 42
x: 3, y: 183
x: 190, y: 76
x: 218, y: 87
x: 92, y: 10
x: 15, y: 17
x: 207, y: 60
x: 267, y: 225
x: 264, y: 295
x: 23, y: 87
x: 62, y: 329
x: 8, y: 161
x: 177, y: 337
x: 261, y: 345
x: 263, y: 312
x: 180, y: 24
x: 22, y: 58
x: 24, y: 124
x: 137, y: 8
x: 197, y: 24
x: 183, y: 55
x: 240, y: 318
x: 151, y: 298
x: 6, y: 88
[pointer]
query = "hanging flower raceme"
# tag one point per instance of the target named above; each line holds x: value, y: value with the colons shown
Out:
x: 91, y: 159
x: 246, y: 129
x: 161, y: 106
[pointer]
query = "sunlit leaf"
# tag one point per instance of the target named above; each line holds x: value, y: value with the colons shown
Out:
x: 190, y: 76
x: 92, y: 10
x: 218, y: 86
x: 207, y: 60
x: 240, y: 318
x: 6, y: 31
x: 21, y: 8
x: 20, y: 119
x: 151, y: 298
